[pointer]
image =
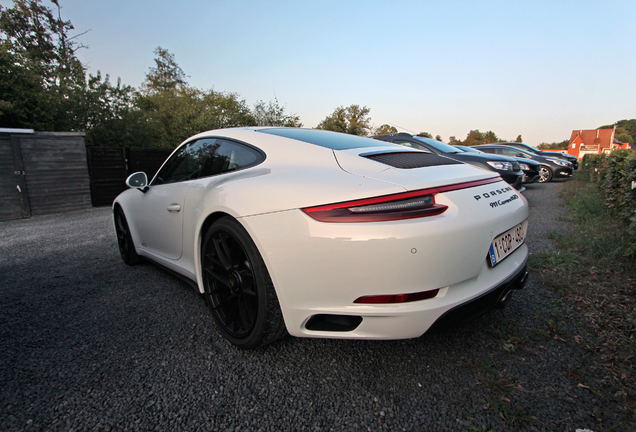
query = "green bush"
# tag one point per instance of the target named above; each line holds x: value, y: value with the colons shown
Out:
x: 615, y: 174
x: 592, y: 164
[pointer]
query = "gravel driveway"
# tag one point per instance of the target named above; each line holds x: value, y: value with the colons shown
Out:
x: 88, y: 343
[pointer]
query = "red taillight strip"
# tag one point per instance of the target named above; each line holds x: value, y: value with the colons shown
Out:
x: 339, y: 212
x: 468, y: 185
x: 397, y: 298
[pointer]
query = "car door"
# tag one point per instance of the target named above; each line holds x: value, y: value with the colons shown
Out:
x: 158, y: 213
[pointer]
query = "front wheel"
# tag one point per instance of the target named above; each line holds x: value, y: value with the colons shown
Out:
x: 124, y: 239
x: 237, y: 287
x: 545, y: 174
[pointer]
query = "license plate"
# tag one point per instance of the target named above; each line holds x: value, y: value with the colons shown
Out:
x: 506, y: 243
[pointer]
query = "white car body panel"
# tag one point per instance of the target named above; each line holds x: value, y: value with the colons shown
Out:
x: 321, y: 268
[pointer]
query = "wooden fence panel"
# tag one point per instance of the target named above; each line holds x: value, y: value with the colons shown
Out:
x: 148, y: 160
x: 107, y: 168
x: 56, y: 171
x: 12, y: 191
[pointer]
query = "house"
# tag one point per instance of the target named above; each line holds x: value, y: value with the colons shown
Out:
x: 594, y: 141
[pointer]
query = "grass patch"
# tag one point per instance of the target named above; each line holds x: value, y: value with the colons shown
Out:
x: 590, y: 268
x: 555, y: 260
x: 596, y: 231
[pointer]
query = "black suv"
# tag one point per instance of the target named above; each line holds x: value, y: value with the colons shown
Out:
x: 507, y: 168
x: 559, y: 155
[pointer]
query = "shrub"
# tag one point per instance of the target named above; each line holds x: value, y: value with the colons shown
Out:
x: 615, y: 175
x: 592, y: 164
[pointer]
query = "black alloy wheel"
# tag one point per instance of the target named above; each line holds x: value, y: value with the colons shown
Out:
x: 124, y: 239
x: 545, y: 174
x: 237, y: 287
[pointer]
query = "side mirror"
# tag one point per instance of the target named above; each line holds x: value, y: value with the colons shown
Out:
x: 520, y: 155
x: 138, y: 180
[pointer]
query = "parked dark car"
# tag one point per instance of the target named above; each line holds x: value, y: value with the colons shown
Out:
x: 559, y: 155
x: 531, y: 169
x: 551, y: 168
x: 506, y: 167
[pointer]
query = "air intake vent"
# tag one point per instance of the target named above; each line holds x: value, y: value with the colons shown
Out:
x: 408, y: 160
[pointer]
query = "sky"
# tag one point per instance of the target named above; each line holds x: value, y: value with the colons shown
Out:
x: 533, y: 68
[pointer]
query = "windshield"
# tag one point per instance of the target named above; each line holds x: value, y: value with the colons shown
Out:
x: 523, y: 152
x: 444, y: 148
x: 527, y: 148
x: 468, y: 149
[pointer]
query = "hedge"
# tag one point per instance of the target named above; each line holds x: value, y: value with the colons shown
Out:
x: 615, y: 174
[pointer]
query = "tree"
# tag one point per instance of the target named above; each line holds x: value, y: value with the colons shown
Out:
x: 169, y: 117
x: 166, y: 76
x: 625, y: 138
x: 519, y: 139
x: 36, y: 45
x: 627, y: 127
x: 167, y: 110
x: 43, y: 85
x: 475, y: 137
x: 272, y: 114
x: 438, y: 137
x: 562, y: 145
x: 385, y: 129
x: 23, y: 99
x: 425, y: 135
x: 490, y: 138
x: 108, y: 111
x: 351, y: 120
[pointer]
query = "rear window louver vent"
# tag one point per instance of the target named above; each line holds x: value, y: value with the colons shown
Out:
x: 408, y: 160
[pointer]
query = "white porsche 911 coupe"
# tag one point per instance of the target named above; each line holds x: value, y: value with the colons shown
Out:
x: 321, y: 234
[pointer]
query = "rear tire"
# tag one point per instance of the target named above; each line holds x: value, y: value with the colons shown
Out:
x: 124, y: 239
x: 545, y: 174
x: 237, y: 287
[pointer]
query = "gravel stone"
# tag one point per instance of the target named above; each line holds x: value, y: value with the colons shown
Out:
x: 88, y: 343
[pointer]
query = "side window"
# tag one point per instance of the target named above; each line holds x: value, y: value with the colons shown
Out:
x: 509, y: 152
x: 226, y: 156
x: 186, y: 163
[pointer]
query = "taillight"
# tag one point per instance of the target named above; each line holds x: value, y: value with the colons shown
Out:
x: 405, y: 205
x: 397, y: 298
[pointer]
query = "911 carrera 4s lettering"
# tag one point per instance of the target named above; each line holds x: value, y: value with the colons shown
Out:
x: 502, y: 202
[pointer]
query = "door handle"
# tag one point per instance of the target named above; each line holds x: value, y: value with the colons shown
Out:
x: 174, y: 207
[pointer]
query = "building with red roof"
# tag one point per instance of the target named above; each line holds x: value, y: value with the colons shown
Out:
x: 594, y: 141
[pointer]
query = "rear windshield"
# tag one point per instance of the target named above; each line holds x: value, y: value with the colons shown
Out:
x: 328, y: 139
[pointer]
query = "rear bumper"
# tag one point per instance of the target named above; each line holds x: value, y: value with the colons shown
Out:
x: 482, y: 304
x: 319, y: 269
